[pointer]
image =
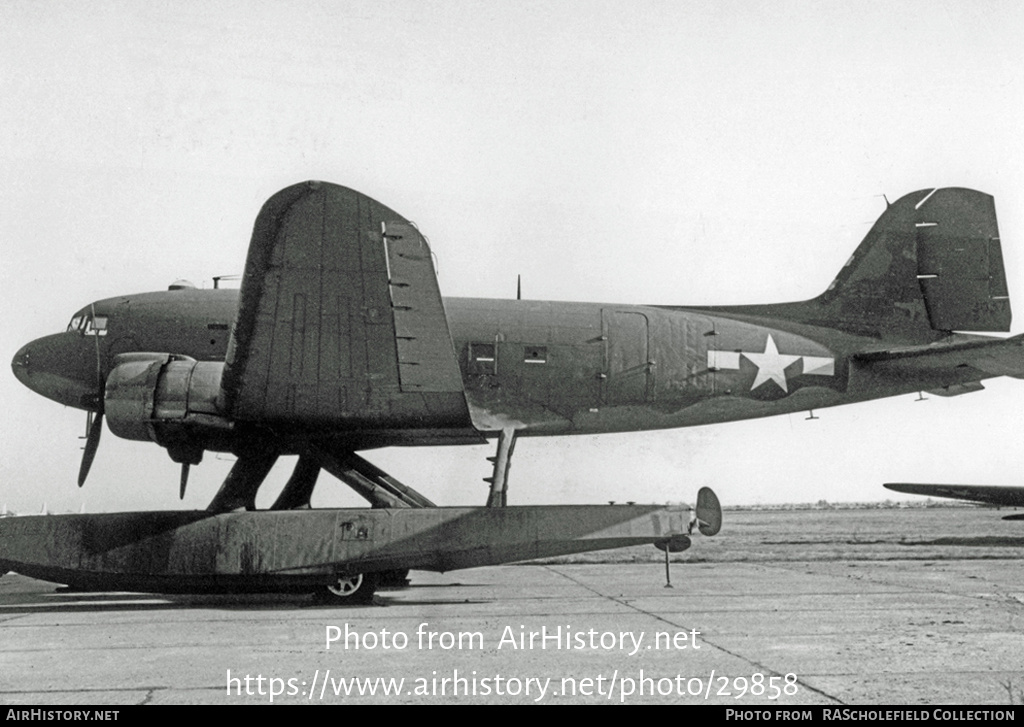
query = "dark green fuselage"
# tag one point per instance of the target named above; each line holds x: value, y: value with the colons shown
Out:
x: 548, y: 368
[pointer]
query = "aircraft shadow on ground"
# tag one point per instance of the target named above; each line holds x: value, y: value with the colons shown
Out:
x: 63, y: 600
x: 977, y: 541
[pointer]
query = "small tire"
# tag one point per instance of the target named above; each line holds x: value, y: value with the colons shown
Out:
x: 349, y: 590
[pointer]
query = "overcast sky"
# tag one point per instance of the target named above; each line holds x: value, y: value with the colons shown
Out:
x: 622, y: 152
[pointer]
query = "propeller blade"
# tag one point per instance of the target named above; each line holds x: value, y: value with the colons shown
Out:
x: 184, y: 480
x: 92, y: 443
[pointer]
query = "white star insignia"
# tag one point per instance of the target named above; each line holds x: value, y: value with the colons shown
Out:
x: 771, y: 365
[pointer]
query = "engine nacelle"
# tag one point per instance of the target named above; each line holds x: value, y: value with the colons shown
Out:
x: 170, y: 400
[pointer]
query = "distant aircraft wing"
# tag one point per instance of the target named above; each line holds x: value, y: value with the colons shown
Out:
x: 991, y: 494
x: 341, y: 325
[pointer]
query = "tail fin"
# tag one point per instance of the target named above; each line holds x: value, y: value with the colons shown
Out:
x: 931, y: 263
x: 932, y: 260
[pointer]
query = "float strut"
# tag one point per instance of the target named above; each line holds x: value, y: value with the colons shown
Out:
x: 239, y: 489
x: 369, y: 481
x: 498, y: 496
x: 298, y: 493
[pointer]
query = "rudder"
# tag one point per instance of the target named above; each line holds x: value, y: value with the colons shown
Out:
x: 960, y: 262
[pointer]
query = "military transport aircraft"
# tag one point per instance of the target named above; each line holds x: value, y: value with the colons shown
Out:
x: 338, y: 341
x: 1000, y: 496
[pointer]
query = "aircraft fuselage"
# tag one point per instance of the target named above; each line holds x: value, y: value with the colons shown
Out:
x: 540, y: 367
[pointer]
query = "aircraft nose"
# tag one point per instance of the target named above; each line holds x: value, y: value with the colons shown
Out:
x: 53, y: 367
x: 20, y: 364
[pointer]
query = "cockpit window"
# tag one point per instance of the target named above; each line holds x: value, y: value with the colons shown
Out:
x: 88, y: 324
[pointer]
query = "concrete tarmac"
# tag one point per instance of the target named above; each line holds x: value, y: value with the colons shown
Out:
x: 831, y: 632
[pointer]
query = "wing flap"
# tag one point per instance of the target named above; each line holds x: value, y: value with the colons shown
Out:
x: 325, y: 337
x: 426, y: 360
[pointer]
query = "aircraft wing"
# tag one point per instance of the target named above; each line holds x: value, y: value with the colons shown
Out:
x: 340, y: 323
x: 991, y: 494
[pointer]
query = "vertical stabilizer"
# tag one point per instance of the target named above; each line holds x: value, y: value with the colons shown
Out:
x: 932, y: 262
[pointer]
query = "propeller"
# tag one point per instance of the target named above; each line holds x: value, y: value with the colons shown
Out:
x: 92, y: 443
x: 94, y: 421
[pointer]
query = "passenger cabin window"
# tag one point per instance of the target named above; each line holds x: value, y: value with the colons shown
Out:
x: 535, y: 355
x: 483, y: 359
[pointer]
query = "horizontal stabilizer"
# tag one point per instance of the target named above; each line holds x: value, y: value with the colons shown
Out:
x: 990, y: 356
x: 708, y: 512
x: 952, y: 346
x: 968, y: 387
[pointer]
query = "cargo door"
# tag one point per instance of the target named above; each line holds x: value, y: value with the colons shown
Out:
x: 628, y: 376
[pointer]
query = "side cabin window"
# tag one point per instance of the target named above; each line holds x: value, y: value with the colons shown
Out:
x: 535, y: 355
x: 483, y: 359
